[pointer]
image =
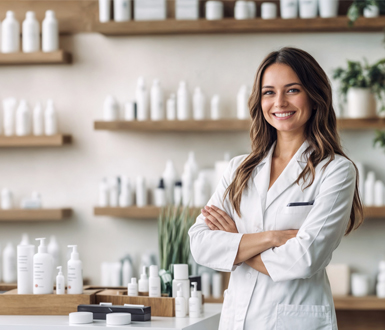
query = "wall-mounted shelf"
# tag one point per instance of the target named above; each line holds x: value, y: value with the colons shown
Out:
x: 35, y: 215
x: 35, y: 141
x: 374, y: 212
x: 231, y: 25
x: 20, y: 58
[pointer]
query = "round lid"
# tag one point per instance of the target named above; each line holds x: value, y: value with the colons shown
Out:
x: 81, y: 317
x: 118, y: 318
x: 181, y: 272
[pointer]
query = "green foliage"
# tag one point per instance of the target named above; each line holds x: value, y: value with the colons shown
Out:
x: 358, y: 6
x: 174, y: 243
x: 379, y: 139
x: 363, y: 75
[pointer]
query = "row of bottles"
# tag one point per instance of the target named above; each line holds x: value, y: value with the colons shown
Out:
x: 8, y: 203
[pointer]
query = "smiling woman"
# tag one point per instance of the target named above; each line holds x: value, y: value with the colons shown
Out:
x: 280, y: 212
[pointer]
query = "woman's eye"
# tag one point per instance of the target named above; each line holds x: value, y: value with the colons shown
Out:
x: 294, y: 90
x: 268, y: 93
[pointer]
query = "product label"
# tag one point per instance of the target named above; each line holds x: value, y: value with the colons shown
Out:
x: 38, y: 275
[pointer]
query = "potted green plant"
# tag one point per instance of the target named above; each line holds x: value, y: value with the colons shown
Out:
x: 359, y: 84
x: 369, y: 8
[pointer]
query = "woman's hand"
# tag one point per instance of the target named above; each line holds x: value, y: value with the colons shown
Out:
x: 216, y: 219
x: 280, y: 237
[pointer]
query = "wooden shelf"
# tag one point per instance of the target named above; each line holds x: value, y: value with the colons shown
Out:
x: 148, y: 212
x: 231, y: 25
x: 35, y: 215
x: 359, y: 303
x: 374, y: 212
x: 361, y: 124
x: 35, y: 141
x: 20, y: 58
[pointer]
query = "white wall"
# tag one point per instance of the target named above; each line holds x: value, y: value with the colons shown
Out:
x: 69, y: 176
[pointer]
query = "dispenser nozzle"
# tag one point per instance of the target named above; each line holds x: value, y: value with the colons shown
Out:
x: 42, y: 247
x: 74, y: 254
x: 60, y: 270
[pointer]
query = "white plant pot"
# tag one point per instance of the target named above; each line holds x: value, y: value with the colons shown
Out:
x: 289, y: 9
x: 371, y: 11
x: 328, y: 8
x: 361, y: 103
x: 308, y: 8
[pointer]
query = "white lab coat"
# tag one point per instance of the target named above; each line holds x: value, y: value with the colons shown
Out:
x: 296, y: 295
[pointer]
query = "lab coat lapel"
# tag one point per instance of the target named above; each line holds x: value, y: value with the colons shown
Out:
x: 288, y: 176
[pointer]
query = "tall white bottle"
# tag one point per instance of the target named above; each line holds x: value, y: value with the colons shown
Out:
x: 194, y: 306
x: 10, y: 34
x: 369, y: 189
x: 104, y: 193
x: 9, y: 264
x: 215, y: 111
x: 50, y: 119
x: 181, y: 277
x: 170, y: 176
x: 122, y: 10
x: 54, y: 250
x: 60, y: 286
x: 126, y: 193
x: 38, y: 120
x: 6, y: 199
x: 141, y: 191
x: 23, y: 119
x: 180, y: 303
x: 141, y: 95
x: 199, y: 105
x: 31, y: 33
x: 25, y: 252
x: 9, y: 109
x: 171, y: 107
x: 157, y: 101
x: 114, y: 192
x: 42, y: 270
x: 74, y: 272
x: 378, y: 193
x: 242, y: 103
x: 143, y: 282
x: 154, y: 282
x: 50, y: 33
x: 183, y: 102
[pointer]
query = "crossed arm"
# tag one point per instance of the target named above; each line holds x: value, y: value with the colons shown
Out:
x: 251, y: 245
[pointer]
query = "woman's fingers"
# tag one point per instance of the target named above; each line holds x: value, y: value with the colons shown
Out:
x: 221, y: 219
x: 223, y: 214
x: 213, y: 219
x: 217, y: 215
x: 211, y: 225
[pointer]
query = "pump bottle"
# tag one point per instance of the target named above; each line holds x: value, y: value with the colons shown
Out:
x: 42, y: 270
x: 180, y: 303
x: 59, y: 281
x: 74, y: 272
x: 154, y: 282
x: 132, y: 288
x: 194, y: 308
x: 25, y: 252
x: 143, y: 282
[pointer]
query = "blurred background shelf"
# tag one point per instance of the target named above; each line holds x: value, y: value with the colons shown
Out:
x: 57, y: 57
x: 35, y: 141
x: 231, y: 25
x: 374, y: 212
x: 35, y: 215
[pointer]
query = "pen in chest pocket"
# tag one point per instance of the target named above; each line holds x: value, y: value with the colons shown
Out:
x: 301, y: 203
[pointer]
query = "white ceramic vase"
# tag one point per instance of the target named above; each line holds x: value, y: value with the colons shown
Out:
x: 308, y: 8
x: 361, y: 103
x: 289, y: 9
x: 328, y: 8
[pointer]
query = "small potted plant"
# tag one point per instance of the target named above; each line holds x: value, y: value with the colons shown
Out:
x: 359, y: 84
x: 369, y: 8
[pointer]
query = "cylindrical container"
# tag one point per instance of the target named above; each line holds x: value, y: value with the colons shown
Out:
x: 216, y: 112
x: 132, y: 288
x: 9, y: 108
x: 171, y: 107
x: 199, y: 103
x: 360, y: 285
x: 38, y: 120
x: 369, y: 189
x: 308, y: 8
x: 23, y: 119
x: 104, y: 192
x: 50, y: 33
x: 60, y: 285
x: 178, y: 193
x: 104, y: 10
x: 157, y: 106
x: 9, y: 264
x: 187, y: 188
x: 169, y: 177
x: 74, y: 272
x: 122, y: 10
x: 25, y: 268
x: 328, y: 8
x: 183, y: 102
x: 141, y: 192
x: 118, y: 319
x: 252, y: 9
x: 242, y: 103
x: 31, y: 33
x: 214, y: 10
x: 141, y: 95
x: 378, y: 193
x: 110, y: 109
x: 42, y: 270
x: 126, y: 193
x: 10, y: 34
x: 160, y: 195
x: 217, y: 285
x: 371, y: 11
x: 6, y: 199
x: 361, y: 103
x: 129, y: 111
x: 154, y: 282
x: 241, y: 10
x: 268, y: 10
x: 181, y: 276
x: 50, y: 119
x: 289, y: 9
x: 206, y: 283
x: 114, y: 192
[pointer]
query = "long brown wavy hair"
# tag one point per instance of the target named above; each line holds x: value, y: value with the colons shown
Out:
x: 320, y: 131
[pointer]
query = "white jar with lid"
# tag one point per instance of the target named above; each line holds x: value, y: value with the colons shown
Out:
x: 214, y: 10
x: 241, y: 10
x: 268, y: 10
x: 289, y: 9
x: 308, y: 8
x: 328, y: 8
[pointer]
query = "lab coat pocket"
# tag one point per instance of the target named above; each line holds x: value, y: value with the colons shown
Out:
x: 291, y: 217
x: 306, y: 317
x: 227, y: 316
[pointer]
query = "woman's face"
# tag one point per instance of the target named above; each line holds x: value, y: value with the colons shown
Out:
x: 285, y: 104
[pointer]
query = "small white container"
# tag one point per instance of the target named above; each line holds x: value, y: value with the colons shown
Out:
x: 104, y: 193
x: 50, y: 33
x: 25, y: 254
x: 10, y: 34
x: 194, y: 304
x: 180, y: 303
x: 122, y: 10
x: 104, y: 10
x: 42, y: 270
x: 38, y: 120
x: 9, y: 264
x: 252, y: 9
x: 371, y: 11
x: 74, y: 272
x: 289, y: 9
x: 141, y: 192
x: 23, y: 119
x: 215, y: 110
x: 110, y: 109
x: 308, y: 8
x: 50, y: 119
x: 31, y: 33
x: 150, y: 10
x: 361, y: 103
x: 369, y: 189
x: 241, y: 10
x: 268, y: 10
x: 81, y: 317
x: 142, y: 103
x: 6, y: 199
x: 201, y: 191
x: 126, y: 197
x: 242, y: 103
x: 171, y: 107
x: 143, y: 282
x: 214, y: 10
x: 114, y: 192
x: 378, y: 193
x: 169, y: 176
x: 154, y: 282
x: 380, y: 290
x: 60, y: 284
x: 217, y: 285
x: 160, y: 195
x: 360, y: 285
x: 178, y: 193
x: 328, y: 8
x: 129, y: 111
x: 132, y: 288
x: 181, y: 278
x: 187, y: 9
x: 9, y: 110
x: 199, y: 105
x: 183, y: 102
x: 118, y: 318
x: 157, y: 101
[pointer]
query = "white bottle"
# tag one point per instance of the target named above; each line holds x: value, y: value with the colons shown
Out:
x: 60, y: 288
x: 114, y: 192
x: 127, y: 271
x: 104, y: 10
x: 122, y: 10
x: 31, y: 33
x: 178, y: 193
x: 378, y: 193
x: 199, y: 105
x: 192, y: 164
x: 141, y: 95
x: 74, y: 272
x: 50, y: 119
x: 206, y: 283
x: 25, y: 252
x: 9, y: 107
x: 154, y: 282
x: 104, y: 193
x: 216, y: 112
x: 110, y: 109
x: 193, y: 302
x: 129, y: 111
x: 201, y: 191
x: 242, y: 103
x: 160, y: 194
x: 169, y: 176
x: 53, y: 249
x: 369, y: 189
x: 171, y: 107
x: 143, y: 282
x: 6, y: 199
x: 9, y: 264
x: 157, y: 102
x: 38, y: 120
x: 132, y: 288
x: 126, y: 193
x: 188, y: 188
x: 141, y: 192
x: 10, y: 34
x: 217, y: 285
x: 183, y: 102
x: 50, y: 33
x: 181, y: 277
x: 42, y: 270
x: 180, y: 303
x: 241, y: 10
x: 23, y: 119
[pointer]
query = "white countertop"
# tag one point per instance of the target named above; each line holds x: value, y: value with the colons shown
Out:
x: 208, y: 321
